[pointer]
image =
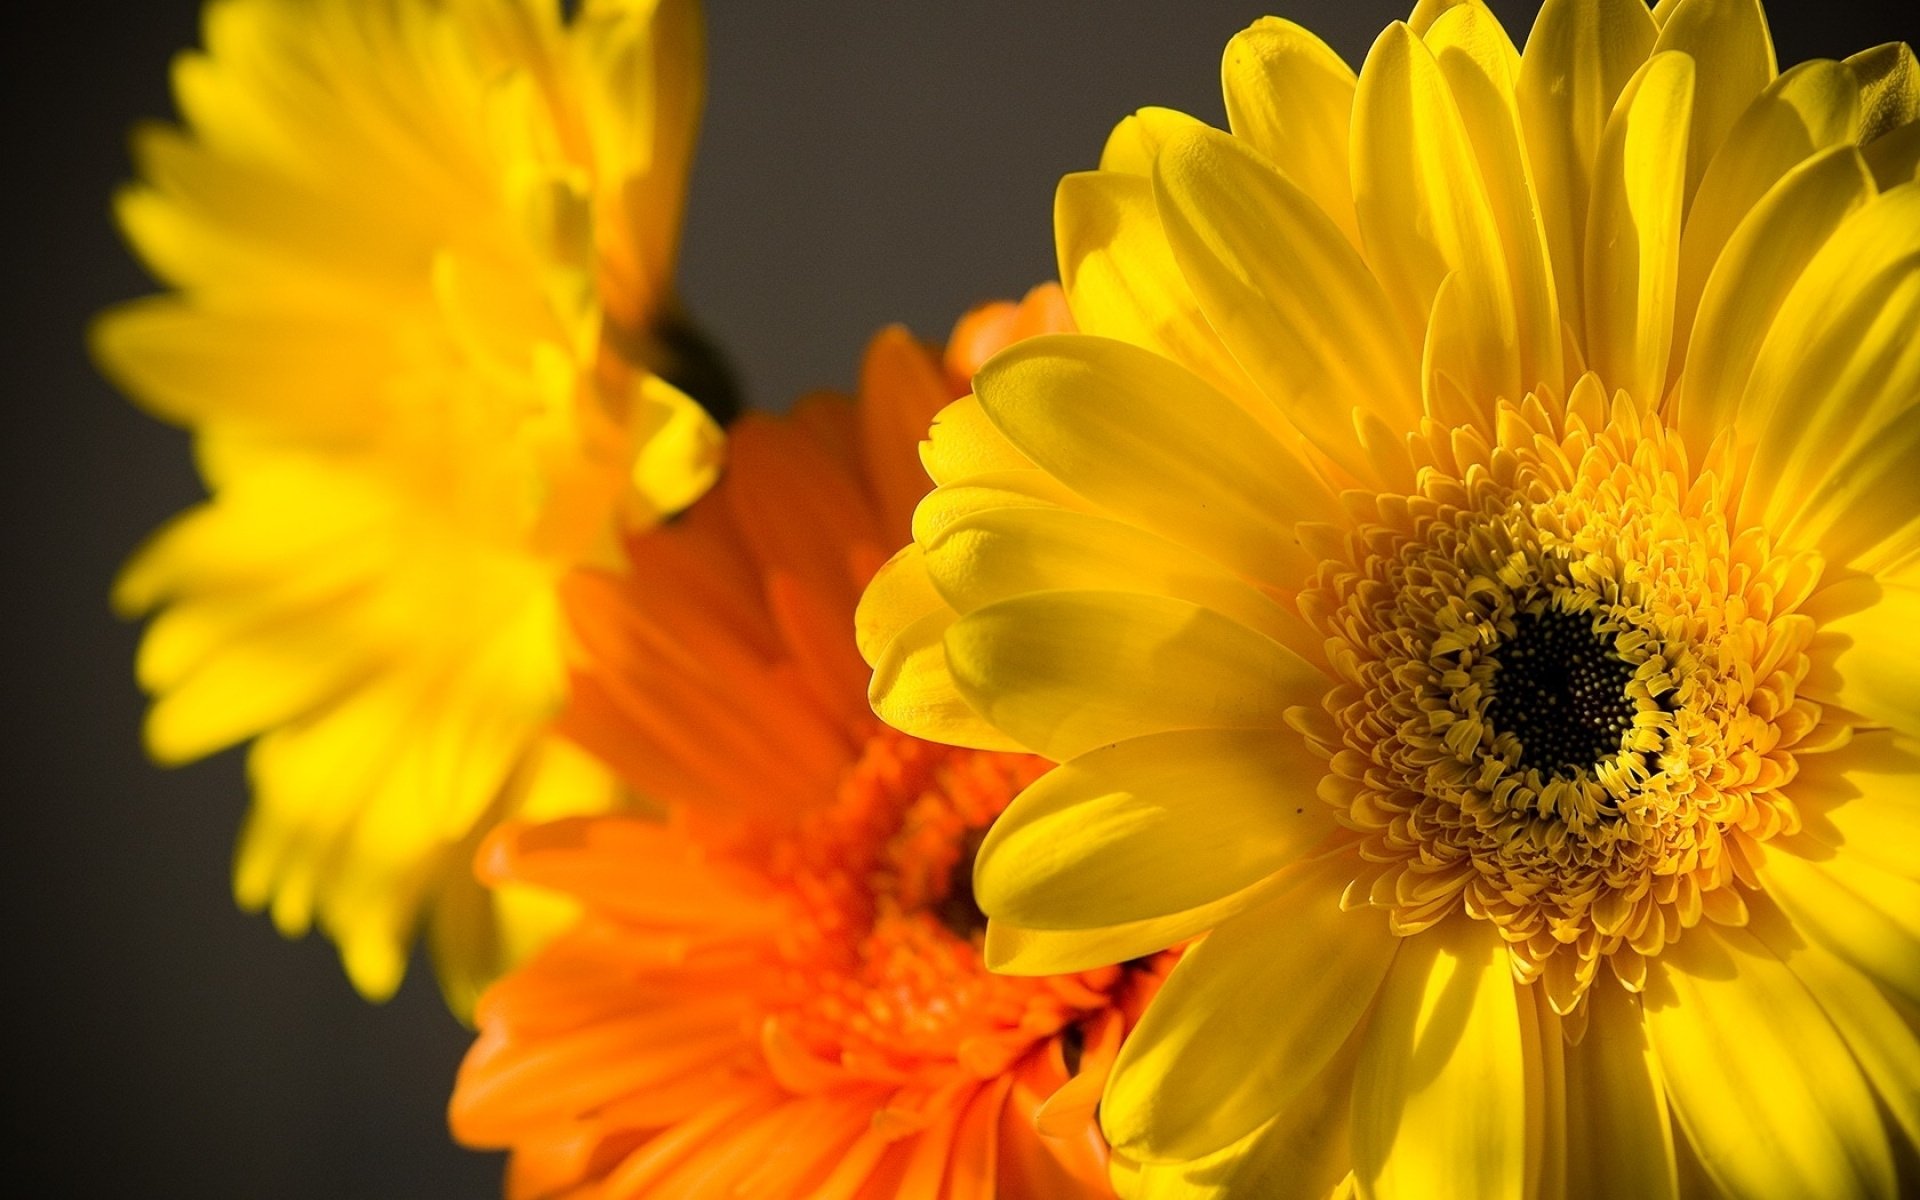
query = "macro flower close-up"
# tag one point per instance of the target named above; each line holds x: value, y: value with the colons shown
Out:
x: 1387, y: 673
x: 1467, y: 568
x: 779, y: 992
x: 421, y: 328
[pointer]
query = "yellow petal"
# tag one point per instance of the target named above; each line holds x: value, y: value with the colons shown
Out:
x: 1633, y: 229
x: 1152, y: 827
x: 1762, y: 1085
x: 1015, y: 950
x: 1619, y: 1141
x: 1151, y: 443
x: 1288, y: 294
x: 1867, y: 916
x: 1889, y: 80
x: 1876, y: 679
x: 1578, y: 59
x: 913, y: 690
x: 1831, y: 400
x: 1122, y: 281
x: 1439, y: 1095
x: 680, y: 448
x: 1750, y: 281
x: 1290, y: 97
x: 311, y: 780
x: 996, y: 554
x: 1732, y: 52
x: 995, y: 491
x: 1136, y: 140
x: 251, y: 680
x: 1895, y: 158
x: 477, y: 932
x: 239, y: 622
x: 1299, y: 1154
x: 1812, y: 108
x: 1064, y: 672
x: 269, y: 526
x: 360, y: 812
x: 1543, y: 1043
x: 1861, y: 800
x: 190, y: 366
x: 1480, y: 66
x: 1429, y: 15
x: 411, y: 837
x: 1248, y: 1020
x: 899, y: 594
x: 1423, y: 206
x: 641, y: 69
x: 1883, y: 1042
x: 962, y: 442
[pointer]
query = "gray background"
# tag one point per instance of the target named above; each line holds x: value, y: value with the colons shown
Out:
x: 861, y: 163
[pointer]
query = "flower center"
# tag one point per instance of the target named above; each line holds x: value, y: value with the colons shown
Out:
x: 887, y: 965
x: 1561, y: 689
x: 1569, y: 689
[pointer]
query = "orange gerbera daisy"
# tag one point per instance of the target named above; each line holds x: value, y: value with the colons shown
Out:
x: 780, y: 991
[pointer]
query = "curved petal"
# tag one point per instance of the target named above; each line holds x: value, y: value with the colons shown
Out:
x: 996, y: 554
x: 1014, y: 950
x: 1480, y: 66
x: 1619, y: 1139
x: 900, y: 593
x: 1248, y: 1019
x: 1298, y: 1154
x: 195, y: 367
x: 1064, y: 672
x: 1877, y: 679
x: 914, y: 691
x: 1889, y: 79
x: 1762, y: 1085
x: 1150, y: 442
x: 1578, y: 59
x: 1288, y: 293
x: 1133, y: 144
x: 1831, y: 398
x: 1867, y: 916
x: 1732, y: 52
x: 1862, y: 801
x: 1440, y: 1094
x: 1883, y: 1042
x: 994, y: 491
x: 1424, y: 209
x: 1290, y: 97
x: 1812, y: 108
x: 1633, y: 229
x: 1152, y: 827
x: 1122, y: 281
x: 642, y: 69
x: 1752, y: 276
x: 962, y: 443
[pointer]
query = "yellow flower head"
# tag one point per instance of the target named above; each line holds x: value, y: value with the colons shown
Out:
x: 421, y: 253
x: 1469, y: 568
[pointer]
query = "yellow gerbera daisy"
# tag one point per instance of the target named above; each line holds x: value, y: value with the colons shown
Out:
x: 422, y: 253
x: 1469, y: 567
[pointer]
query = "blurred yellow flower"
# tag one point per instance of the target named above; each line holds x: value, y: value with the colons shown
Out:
x: 1469, y: 567
x: 421, y: 253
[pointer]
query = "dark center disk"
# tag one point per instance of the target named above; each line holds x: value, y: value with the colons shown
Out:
x: 957, y: 910
x: 1561, y: 689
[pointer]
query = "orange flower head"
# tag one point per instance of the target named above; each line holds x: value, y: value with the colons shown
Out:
x: 780, y: 990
